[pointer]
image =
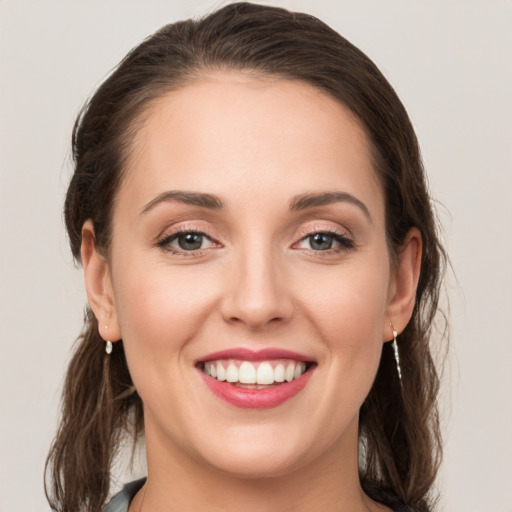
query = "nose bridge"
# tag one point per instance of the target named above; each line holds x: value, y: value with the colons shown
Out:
x: 259, y: 294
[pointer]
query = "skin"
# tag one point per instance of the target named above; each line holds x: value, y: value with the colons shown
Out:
x: 256, y: 283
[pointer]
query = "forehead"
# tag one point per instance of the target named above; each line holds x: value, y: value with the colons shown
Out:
x: 228, y: 131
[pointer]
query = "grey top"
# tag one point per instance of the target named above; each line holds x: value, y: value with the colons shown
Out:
x: 121, y: 501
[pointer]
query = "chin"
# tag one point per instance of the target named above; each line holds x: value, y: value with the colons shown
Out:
x: 264, y: 453
x: 255, y: 466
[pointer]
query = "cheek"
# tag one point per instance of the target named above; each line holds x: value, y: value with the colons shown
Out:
x: 349, y: 295
x: 348, y: 311
x: 159, y: 301
x: 159, y: 310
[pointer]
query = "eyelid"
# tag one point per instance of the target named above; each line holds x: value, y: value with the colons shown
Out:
x: 322, y: 228
x: 163, y: 240
x: 186, y: 226
x: 304, y: 232
x: 347, y: 242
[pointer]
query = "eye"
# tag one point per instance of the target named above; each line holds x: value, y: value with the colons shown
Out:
x: 186, y: 241
x: 320, y: 241
x: 325, y: 241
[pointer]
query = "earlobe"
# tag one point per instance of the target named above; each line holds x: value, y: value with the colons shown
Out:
x: 98, y: 285
x: 404, y: 284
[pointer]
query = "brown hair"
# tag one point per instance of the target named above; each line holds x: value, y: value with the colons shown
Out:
x: 399, y: 426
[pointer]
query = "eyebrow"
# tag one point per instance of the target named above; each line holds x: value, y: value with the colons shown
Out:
x: 305, y: 201
x: 298, y: 203
x: 203, y: 200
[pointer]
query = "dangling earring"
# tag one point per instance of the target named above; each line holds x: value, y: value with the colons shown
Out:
x: 108, y: 344
x: 395, y: 350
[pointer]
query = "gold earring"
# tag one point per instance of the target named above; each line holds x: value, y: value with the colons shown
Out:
x: 395, y: 350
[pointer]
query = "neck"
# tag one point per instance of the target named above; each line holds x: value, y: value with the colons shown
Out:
x: 177, y: 481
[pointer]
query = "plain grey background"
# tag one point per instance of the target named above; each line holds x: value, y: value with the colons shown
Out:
x: 451, y: 63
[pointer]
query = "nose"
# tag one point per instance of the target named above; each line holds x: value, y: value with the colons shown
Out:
x: 258, y: 291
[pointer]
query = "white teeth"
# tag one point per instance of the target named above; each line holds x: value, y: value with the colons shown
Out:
x: 289, y: 373
x: 232, y: 373
x: 221, y: 372
x: 299, y: 370
x: 265, y: 374
x: 279, y: 373
x: 247, y: 373
x: 262, y: 373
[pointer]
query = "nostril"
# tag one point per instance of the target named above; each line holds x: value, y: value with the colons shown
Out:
x: 254, y: 323
x: 257, y: 300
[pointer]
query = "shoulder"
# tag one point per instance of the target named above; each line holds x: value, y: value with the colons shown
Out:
x: 121, y: 501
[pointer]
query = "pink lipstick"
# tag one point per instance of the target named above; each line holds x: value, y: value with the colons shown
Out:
x: 255, y: 379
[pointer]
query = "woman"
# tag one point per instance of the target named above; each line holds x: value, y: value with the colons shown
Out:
x: 250, y: 210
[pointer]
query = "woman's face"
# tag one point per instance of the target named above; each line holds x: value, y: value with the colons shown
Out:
x: 249, y: 243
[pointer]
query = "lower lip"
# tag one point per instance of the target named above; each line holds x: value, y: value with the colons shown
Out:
x: 250, y: 398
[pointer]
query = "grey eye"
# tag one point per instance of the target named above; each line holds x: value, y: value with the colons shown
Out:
x: 186, y: 241
x: 325, y: 241
x: 190, y: 241
x: 320, y: 241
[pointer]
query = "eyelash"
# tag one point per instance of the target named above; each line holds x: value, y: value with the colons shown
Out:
x: 165, y: 242
x: 346, y: 244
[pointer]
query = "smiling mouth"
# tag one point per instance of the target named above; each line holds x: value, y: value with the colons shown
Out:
x: 255, y: 379
x: 255, y: 374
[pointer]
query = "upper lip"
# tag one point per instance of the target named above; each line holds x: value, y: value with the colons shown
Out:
x: 246, y: 354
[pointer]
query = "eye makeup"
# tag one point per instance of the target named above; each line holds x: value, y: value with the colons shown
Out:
x: 187, y: 241
x: 326, y: 241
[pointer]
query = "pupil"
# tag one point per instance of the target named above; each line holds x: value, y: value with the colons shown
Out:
x: 321, y: 242
x: 190, y: 241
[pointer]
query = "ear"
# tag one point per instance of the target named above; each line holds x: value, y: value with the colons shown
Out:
x: 403, y: 285
x: 98, y: 284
